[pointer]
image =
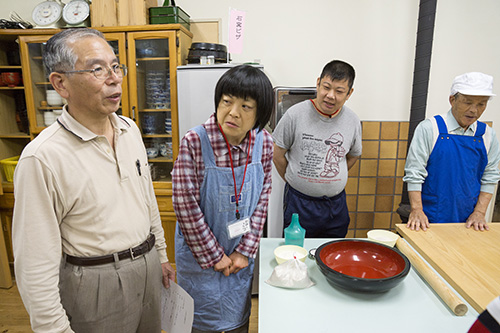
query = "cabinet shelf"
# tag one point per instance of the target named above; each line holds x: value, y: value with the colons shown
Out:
x: 42, y: 108
x: 17, y: 135
x: 12, y: 88
x: 154, y: 59
x: 10, y: 67
x: 160, y: 183
x: 155, y: 110
x: 161, y: 159
x: 157, y: 135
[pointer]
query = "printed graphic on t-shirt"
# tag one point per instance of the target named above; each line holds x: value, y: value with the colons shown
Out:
x: 321, y: 158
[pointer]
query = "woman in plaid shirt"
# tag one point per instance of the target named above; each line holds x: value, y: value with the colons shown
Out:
x: 221, y: 186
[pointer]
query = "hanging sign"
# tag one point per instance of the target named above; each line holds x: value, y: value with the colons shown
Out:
x: 236, y: 29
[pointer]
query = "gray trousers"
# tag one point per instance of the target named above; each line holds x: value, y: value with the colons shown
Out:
x: 119, y: 297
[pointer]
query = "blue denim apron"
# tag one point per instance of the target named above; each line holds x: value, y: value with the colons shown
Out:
x: 455, y: 168
x: 221, y: 303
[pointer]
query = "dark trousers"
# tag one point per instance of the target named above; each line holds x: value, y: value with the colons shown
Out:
x: 241, y: 329
x: 322, y: 217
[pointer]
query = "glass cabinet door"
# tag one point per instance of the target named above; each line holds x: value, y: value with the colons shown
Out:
x: 39, y: 92
x: 43, y: 102
x: 152, y: 79
x: 117, y: 42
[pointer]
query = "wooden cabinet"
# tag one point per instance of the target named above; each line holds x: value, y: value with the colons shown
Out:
x: 151, y: 54
x: 14, y: 131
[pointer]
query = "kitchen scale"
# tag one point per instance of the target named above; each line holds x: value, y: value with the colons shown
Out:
x: 54, y: 14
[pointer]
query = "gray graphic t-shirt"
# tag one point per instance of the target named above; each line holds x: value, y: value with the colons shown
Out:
x: 317, y: 148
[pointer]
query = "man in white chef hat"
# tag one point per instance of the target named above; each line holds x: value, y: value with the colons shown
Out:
x: 452, y: 164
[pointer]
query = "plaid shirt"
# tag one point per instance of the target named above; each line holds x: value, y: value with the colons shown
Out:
x: 187, y: 177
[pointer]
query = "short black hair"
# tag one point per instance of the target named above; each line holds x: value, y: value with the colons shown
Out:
x: 339, y: 70
x: 245, y: 81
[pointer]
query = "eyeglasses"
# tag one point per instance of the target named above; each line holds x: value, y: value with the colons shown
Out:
x: 102, y: 73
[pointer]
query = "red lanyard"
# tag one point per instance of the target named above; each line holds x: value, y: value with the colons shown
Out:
x: 232, y: 167
x: 324, y: 114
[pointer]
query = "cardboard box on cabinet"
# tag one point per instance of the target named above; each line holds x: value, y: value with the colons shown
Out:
x: 106, y: 13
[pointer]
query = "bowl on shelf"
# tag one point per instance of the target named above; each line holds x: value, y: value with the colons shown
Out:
x: 53, y: 98
x: 49, y: 117
x: 152, y: 152
x: 362, y: 265
x: 11, y: 79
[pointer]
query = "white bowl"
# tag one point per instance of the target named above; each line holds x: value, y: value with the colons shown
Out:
x: 152, y: 152
x: 49, y: 118
x: 53, y: 98
x: 287, y: 252
x: 381, y: 236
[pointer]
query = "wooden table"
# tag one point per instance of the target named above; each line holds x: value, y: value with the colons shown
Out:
x: 468, y: 260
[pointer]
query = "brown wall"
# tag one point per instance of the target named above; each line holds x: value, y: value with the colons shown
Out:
x: 376, y: 180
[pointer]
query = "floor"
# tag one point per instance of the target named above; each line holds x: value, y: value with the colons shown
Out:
x: 14, y: 318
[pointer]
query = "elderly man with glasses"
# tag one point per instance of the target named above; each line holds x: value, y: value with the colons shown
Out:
x: 88, y: 243
x: 452, y: 163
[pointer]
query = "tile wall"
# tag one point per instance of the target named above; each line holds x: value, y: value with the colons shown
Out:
x: 376, y: 180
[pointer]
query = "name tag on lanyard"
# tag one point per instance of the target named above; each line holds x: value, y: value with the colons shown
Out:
x: 238, y: 228
x: 232, y: 198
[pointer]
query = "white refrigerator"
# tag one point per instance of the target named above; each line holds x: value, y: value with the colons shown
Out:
x: 195, y: 93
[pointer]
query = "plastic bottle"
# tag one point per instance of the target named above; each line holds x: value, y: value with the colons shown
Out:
x: 294, y: 233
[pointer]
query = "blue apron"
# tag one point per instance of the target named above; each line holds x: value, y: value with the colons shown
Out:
x: 455, y: 168
x: 221, y: 303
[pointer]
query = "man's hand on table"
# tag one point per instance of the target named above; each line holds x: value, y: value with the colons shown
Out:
x: 417, y: 220
x: 478, y: 221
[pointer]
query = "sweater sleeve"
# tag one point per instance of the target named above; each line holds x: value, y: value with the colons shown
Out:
x: 37, y: 245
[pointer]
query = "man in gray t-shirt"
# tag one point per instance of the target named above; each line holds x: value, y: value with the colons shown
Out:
x: 316, y: 142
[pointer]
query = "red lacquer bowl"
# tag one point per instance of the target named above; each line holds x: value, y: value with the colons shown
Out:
x: 11, y: 79
x: 362, y: 265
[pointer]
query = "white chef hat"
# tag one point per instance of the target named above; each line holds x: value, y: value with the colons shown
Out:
x: 473, y: 84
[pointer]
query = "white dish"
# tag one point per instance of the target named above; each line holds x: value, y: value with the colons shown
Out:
x: 381, y: 236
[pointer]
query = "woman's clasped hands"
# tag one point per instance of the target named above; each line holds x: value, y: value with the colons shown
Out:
x: 231, y: 264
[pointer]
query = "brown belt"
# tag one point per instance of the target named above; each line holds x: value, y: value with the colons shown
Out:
x: 133, y: 253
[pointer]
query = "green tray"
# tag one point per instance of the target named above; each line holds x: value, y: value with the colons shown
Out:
x: 166, y: 19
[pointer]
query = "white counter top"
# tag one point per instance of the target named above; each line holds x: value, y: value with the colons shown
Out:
x: 412, y: 306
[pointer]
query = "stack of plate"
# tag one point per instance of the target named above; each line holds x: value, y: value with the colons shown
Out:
x: 158, y: 89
